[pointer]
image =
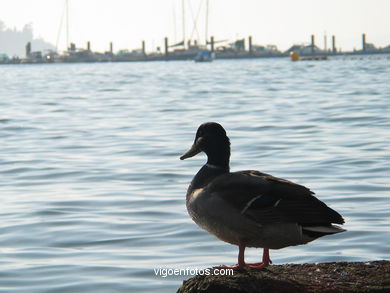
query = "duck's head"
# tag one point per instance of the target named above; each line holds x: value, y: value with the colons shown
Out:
x: 211, y: 138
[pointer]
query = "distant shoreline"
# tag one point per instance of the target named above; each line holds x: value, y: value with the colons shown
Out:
x: 110, y: 58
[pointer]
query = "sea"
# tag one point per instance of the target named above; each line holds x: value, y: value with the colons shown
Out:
x: 92, y: 190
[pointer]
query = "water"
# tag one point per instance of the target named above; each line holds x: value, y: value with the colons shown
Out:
x: 92, y: 188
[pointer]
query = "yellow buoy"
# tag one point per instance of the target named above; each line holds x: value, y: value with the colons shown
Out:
x: 294, y: 56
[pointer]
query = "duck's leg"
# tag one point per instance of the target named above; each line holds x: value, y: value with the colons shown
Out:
x: 241, y: 262
x: 241, y: 255
x: 266, y: 261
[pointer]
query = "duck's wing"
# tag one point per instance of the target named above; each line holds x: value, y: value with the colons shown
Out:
x: 268, y: 199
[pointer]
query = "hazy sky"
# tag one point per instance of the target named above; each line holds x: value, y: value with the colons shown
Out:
x: 127, y: 22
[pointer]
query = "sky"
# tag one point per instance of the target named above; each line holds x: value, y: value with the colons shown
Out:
x: 127, y: 22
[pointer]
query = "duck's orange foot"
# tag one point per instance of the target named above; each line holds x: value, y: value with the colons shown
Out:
x: 258, y: 265
x: 234, y: 267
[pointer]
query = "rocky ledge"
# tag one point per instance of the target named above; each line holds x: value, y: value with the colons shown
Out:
x: 335, y: 277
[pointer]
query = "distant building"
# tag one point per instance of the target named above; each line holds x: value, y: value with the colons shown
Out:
x: 4, y: 57
x: 371, y: 47
x: 265, y: 50
x: 304, y: 49
x: 387, y: 49
x: 12, y: 41
x: 239, y: 45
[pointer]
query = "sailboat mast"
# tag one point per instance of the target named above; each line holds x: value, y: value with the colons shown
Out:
x: 61, y: 25
x: 67, y: 24
x: 207, y: 22
x: 184, y: 22
x: 174, y: 21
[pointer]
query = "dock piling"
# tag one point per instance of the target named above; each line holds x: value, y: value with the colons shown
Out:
x: 312, y: 44
x: 143, y: 48
x: 250, y: 46
x: 334, y: 50
x: 166, y: 47
x: 28, y: 49
x: 364, y: 47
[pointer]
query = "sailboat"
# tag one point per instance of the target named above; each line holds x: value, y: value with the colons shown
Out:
x: 188, y: 48
x: 204, y: 56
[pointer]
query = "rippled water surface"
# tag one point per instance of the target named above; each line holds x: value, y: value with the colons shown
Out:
x: 92, y: 188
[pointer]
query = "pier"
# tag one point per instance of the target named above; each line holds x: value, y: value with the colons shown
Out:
x: 171, y: 52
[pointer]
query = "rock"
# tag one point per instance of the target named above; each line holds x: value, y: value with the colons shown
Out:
x: 332, y: 277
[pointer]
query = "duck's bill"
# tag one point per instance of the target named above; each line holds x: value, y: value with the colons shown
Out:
x: 194, y: 150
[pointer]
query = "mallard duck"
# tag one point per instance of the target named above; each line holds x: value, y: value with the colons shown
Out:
x: 251, y: 208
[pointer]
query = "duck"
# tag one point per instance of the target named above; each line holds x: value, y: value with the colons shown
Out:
x: 250, y: 208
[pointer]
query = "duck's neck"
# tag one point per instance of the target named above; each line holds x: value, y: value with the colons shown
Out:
x: 204, y: 176
x: 218, y: 161
x: 218, y: 157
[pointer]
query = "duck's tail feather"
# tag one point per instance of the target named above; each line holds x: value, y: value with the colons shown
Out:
x: 321, y: 230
